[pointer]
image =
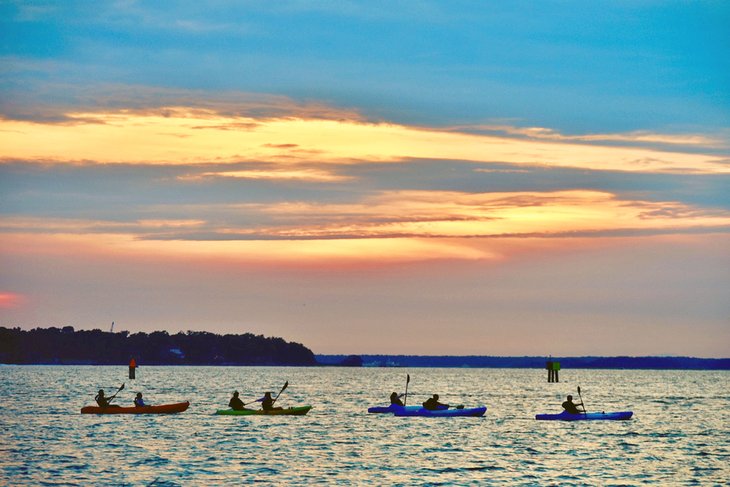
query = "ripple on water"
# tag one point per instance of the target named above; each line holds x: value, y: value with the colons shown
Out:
x: 674, y: 438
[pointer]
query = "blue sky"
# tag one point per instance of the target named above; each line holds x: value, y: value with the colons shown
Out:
x: 616, y: 66
x: 371, y: 177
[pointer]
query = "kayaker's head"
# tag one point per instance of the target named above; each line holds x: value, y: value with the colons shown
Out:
x: 570, y: 398
x: 139, y: 395
x: 101, y: 392
x: 235, y: 393
x: 267, y: 395
x: 436, y: 396
x: 395, y: 394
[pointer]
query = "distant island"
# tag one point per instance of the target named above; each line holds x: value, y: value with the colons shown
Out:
x: 477, y: 361
x: 95, y: 347
x: 67, y: 346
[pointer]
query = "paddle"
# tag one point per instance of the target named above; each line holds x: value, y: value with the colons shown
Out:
x: 405, y: 399
x: 581, y: 403
x: 286, y: 384
x: 108, y: 401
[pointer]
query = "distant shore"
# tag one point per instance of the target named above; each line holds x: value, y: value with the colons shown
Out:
x: 456, y: 361
x: 67, y: 346
x: 528, y: 362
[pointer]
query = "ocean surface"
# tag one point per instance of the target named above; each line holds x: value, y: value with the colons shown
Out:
x: 680, y: 434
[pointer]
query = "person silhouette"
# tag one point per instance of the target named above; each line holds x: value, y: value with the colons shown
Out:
x: 235, y: 403
x: 104, y: 401
x: 571, y: 407
x: 433, y: 404
x: 138, y: 401
x: 101, y: 400
x: 395, y: 399
x: 267, y: 403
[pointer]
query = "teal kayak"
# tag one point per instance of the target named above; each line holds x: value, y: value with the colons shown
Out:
x: 566, y: 416
x: 295, y: 411
x: 440, y: 413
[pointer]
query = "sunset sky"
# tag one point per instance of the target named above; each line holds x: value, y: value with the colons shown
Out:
x: 446, y: 178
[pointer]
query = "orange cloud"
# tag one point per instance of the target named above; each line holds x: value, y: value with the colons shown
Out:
x: 398, y: 226
x: 298, y: 174
x: 180, y: 135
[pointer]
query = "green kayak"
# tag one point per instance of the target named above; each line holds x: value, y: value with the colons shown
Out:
x: 296, y: 411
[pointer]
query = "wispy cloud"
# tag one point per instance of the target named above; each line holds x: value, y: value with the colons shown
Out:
x: 719, y: 141
x: 303, y: 174
x: 403, y: 222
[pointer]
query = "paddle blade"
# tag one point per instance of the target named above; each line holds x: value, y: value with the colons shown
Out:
x: 408, y: 378
x: 121, y: 387
x: 286, y: 384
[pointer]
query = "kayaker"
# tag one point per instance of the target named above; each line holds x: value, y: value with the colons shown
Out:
x: 395, y: 399
x: 235, y: 402
x: 433, y: 403
x: 267, y: 402
x: 571, y: 407
x: 101, y: 400
x: 139, y: 402
x: 105, y: 402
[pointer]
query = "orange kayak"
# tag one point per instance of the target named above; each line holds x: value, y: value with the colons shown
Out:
x: 161, y: 409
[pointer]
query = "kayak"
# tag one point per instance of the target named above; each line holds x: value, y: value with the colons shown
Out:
x: 566, y: 416
x: 391, y: 409
x: 295, y: 411
x: 440, y: 413
x: 161, y: 409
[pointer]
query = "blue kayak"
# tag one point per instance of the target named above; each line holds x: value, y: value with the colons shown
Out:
x: 439, y: 413
x: 566, y: 416
x: 391, y: 409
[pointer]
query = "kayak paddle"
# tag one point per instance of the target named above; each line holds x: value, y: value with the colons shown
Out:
x: 581, y: 402
x: 408, y: 379
x: 115, y: 394
x: 286, y: 384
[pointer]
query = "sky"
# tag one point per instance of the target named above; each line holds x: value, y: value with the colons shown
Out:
x: 401, y: 177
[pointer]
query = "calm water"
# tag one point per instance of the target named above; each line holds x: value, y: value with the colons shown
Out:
x: 680, y: 434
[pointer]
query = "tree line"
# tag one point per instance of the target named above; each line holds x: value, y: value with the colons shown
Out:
x: 68, y: 346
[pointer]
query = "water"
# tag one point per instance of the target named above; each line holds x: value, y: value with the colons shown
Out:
x: 680, y: 434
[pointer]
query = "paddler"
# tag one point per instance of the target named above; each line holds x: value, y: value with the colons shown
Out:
x: 433, y: 404
x: 571, y: 407
x: 395, y: 399
x: 103, y: 401
x: 138, y: 401
x: 267, y: 402
x: 236, y: 403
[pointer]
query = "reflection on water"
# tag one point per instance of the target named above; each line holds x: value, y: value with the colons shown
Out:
x: 680, y: 433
